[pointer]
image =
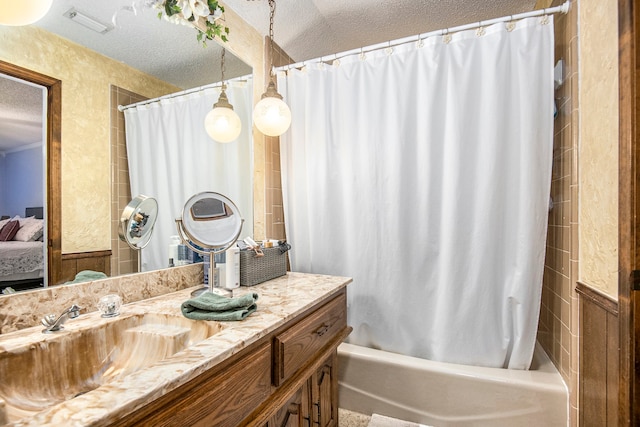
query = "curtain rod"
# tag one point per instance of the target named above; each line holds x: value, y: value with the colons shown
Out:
x: 182, y: 93
x: 564, y: 8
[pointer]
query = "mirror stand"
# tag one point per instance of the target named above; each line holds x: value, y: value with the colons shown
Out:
x: 212, y: 265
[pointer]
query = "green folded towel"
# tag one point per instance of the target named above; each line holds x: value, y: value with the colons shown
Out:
x: 87, y: 276
x: 210, y: 306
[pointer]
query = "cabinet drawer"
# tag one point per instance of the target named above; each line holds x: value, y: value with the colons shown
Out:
x: 298, y: 344
x: 222, y: 399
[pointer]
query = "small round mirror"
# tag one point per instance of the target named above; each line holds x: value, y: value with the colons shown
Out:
x: 210, y: 224
x: 211, y: 220
x: 137, y: 221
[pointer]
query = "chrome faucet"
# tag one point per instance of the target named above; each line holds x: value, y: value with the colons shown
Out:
x: 53, y: 323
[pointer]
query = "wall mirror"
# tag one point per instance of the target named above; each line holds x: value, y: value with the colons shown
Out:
x: 27, y: 56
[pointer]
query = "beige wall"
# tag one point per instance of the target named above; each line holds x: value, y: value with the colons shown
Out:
x: 598, y: 217
x: 86, y: 78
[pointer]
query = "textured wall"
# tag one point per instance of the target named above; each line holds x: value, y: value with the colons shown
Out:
x: 86, y: 77
x: 598, y: 218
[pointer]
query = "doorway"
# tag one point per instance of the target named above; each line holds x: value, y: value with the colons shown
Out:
x: 52, y: 198
x: 23, y: 182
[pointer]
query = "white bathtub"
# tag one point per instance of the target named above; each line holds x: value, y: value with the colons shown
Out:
x: 444, y: 394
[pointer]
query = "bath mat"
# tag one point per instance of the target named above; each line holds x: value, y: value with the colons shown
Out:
x: 382, y: 421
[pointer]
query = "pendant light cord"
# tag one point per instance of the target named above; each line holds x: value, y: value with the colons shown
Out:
x: 222, y: 68
x: 272, y: 7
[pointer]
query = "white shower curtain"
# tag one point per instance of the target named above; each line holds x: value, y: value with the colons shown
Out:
x: 171, y: 158
x: 424, y: 173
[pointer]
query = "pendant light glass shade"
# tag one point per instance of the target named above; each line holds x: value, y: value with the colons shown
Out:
x: 23, y: 12
x: 272, y: 115
x: 222, y: 123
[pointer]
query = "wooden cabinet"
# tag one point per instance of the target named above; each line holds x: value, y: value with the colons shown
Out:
x: 286, y: 379
x: 295, y: 412
x: 221, y: 398
x: 315, y: 403
x: 324, y: 393
x: 294, y: 347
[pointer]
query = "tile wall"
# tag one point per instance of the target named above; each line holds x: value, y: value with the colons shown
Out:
x: 558, y: 325
x: 124, y: 260
x: 274, y: 215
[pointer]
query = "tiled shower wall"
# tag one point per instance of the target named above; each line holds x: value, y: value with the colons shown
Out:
x: 274, y: 215
x: 124, y: 260
x: 558, y: 326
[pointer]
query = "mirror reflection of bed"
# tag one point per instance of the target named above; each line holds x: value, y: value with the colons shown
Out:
x: 22, y: 183
x: 22, y: 250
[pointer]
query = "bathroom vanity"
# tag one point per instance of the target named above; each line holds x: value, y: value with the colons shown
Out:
x: 278, y: 367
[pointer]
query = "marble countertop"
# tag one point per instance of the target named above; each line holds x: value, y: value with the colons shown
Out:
x: 280, y: 300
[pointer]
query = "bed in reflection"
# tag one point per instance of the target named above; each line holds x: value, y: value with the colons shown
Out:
x: 22, y: 264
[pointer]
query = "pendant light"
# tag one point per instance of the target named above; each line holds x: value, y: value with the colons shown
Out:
x: 272, y: 115
x: 222, y: 123
x: 23, y: 12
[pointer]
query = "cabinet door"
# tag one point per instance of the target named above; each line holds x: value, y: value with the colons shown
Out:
x: 324, y: 393
x: 295, y: 412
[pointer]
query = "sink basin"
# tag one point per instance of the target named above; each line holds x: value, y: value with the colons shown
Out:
x: 64, y: 365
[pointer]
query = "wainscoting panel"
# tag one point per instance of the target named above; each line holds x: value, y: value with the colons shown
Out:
x: 72, y: 264
x: 599, y: 358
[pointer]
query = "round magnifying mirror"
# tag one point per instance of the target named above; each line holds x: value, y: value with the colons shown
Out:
x: 137, y: 221
x: 210, y: 224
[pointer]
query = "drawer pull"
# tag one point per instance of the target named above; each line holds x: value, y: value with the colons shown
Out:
x: 322, y: 329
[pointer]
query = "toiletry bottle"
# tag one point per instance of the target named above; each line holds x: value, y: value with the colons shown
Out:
x: 174, y: 241
x: 206, y: 259
x: 232, y: 270
x: 221, y: 266
x: 183, y: 255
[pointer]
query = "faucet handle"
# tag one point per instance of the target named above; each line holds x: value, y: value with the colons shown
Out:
x: 74, y: 311
x: 49, y: 320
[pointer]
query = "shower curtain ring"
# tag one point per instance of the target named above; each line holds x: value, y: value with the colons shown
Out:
x: 446, y: 37
x: 389, y: 49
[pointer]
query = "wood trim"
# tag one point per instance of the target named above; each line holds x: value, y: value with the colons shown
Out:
x: 54, y: 144
x: 72, y: 264
x: 601, y: 300
x: 629, y: 209
x: 84, y: 255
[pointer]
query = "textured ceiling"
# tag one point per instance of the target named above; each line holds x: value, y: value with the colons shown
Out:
x: 308, y: 29
x: 305, y: 29
x: 141, y: 40
x: 21, y: 108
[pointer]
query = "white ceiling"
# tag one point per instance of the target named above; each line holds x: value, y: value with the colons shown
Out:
x: 305, y: 29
